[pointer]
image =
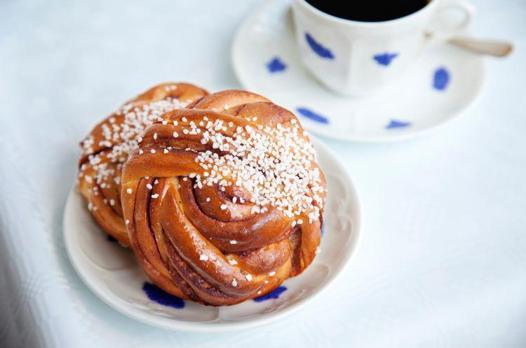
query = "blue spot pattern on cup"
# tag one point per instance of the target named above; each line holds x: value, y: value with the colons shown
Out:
x: 385, y: 58
x: 274, y: 294
x: 158, y: 295
x: 441, y: 78
x: 396, y: 124
x: 276, y: 65
x: 318, y: 48
x: 311, y: 115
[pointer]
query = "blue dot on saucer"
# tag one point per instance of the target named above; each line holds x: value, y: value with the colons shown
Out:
x: 276, y: 65
x: 274, y: 294
x: 158, y: 295
x: 311, y: 115
x: 385, y: 58
x: 441, y: 78
x: 396, y: 124
x: 318, y: 48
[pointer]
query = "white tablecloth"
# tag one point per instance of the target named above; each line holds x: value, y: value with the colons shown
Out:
x: 442, y: 260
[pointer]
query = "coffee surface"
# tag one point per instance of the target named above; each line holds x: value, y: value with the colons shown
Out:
x: 369, y: 11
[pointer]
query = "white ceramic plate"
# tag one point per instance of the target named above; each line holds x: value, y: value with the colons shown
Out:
x: 111, y: 273
x: 441, y: 84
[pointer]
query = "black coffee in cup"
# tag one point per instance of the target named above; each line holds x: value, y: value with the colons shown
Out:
x: 369, y: 10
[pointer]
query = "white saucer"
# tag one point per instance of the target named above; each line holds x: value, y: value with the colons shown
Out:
x: 441, y: 84
x: 111, y: 272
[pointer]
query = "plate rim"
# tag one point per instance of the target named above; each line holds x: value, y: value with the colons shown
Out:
x: 235, y: 47
x: 176, y: 324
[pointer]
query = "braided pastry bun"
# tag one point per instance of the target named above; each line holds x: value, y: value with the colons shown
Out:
x: 223, y: 201
x: 105, y: 149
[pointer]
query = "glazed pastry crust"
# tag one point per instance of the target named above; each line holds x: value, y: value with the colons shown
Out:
x: 107, y: 147
x: 217, y: 242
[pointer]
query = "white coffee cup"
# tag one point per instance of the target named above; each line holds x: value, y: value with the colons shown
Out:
x: 360, y: 58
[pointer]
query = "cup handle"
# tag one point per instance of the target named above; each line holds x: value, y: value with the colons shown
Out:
x: 445, y: 31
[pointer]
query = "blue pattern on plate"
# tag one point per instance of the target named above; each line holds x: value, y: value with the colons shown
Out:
x: 441, y: 79
x: 271, y: 295
x: 314, y: 116
x: 393, y: 124
x: 276, y: 65
x: 160, y: 296
x: 110, y: 239
x: 318, y: 48
x: 385, y: 58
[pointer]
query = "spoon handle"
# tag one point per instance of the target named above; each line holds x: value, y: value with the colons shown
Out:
x: 488, y: 47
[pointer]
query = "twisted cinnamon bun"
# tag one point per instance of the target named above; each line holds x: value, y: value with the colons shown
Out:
x: 108, y: 145
x: 223, y: 201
